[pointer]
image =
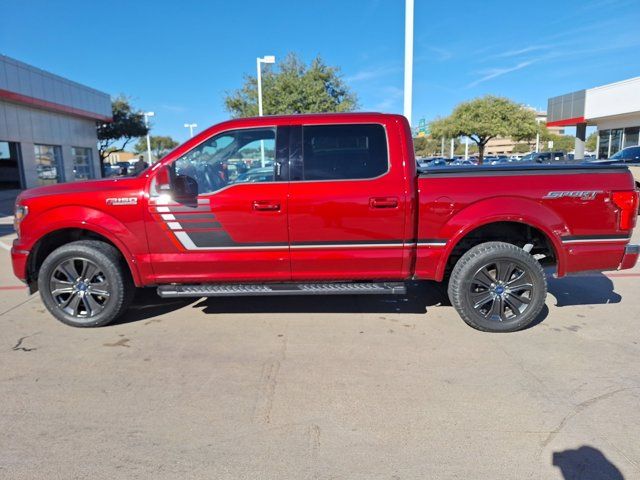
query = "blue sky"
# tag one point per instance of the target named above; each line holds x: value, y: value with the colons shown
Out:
x: 178, y: 58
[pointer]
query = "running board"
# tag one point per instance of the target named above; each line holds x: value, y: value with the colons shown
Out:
x: 249, y: 290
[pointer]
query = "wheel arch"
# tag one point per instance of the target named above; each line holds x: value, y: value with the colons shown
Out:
x: 516, y: 218
x: 57, y: 237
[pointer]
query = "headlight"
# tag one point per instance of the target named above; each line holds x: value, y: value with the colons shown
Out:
x: 20, y: 212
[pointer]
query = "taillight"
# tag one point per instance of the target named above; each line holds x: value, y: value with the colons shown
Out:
x: 627, y: 202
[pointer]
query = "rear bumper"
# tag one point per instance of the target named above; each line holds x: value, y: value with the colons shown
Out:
x: 630, y: 258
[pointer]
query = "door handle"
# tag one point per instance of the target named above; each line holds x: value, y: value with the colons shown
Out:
x: 266, y: 205
x: 383, y: 202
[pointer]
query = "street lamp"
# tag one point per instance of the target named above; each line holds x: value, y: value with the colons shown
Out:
x: 259, y: 62
x: 146, y: 124
x: 408, y: 59
x: 538, y: 120
x: 190, y: 126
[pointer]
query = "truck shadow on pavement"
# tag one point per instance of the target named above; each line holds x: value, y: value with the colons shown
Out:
x: 420, y: 297
x: 592, y: 289
x: 585, y: 463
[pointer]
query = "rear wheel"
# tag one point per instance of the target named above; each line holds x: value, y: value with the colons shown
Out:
x: 497, y: 287
x: 85, y: 284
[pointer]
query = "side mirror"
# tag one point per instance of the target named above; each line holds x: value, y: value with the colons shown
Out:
x: 185, y: 187
x: 163, y: 179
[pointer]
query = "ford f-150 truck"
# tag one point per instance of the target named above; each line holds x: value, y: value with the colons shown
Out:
x: 318, y: 205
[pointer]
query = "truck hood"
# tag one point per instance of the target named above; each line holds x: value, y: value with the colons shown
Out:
x: 104, y: 185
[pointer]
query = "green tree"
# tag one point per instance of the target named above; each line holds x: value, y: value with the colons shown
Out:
x: 473, y: 149
x: 521, y: 148
x: 485, y: 118
x: 564, y: 143
x: 126, y: 125
x: 160, y: 146
x: 425, y: 146
x: 592, y: 142
x: 293, y: 88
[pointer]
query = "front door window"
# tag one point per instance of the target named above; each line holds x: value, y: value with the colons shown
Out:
x: 237, y: 156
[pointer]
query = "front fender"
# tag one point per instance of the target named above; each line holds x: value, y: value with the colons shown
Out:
x: 504, y: 209
x: 86, y: 218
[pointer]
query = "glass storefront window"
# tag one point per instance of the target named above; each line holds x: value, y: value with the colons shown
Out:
x: 82, y: 163
x: 9, y: 165
x: 48, y: 164
x: 631, y: 137
x: 616, y: 141
x: 603, y: 144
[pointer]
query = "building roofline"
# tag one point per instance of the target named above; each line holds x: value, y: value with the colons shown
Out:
x: 21, y: 99
x: 18, y: 63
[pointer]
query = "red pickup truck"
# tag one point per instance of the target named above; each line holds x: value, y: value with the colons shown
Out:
x: 319, y: 205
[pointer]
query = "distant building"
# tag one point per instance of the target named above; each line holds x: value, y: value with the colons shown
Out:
x: 116, y: 157
x: 47, y: 127
x: 614, y: 109
x: 504, y: 146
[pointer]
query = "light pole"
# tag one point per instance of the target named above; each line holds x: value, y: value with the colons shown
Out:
x: 146, y: 124
x: 190, y: 126
x: 259, y: 62
x: 538, y: 134
x: 408, y: 58
x: 466, y: 148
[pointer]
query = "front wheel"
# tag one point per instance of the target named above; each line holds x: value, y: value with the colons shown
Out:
x: 85, y: 284
x: 497, y: 287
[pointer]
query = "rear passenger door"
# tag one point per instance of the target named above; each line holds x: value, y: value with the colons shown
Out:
x: 346, y: 203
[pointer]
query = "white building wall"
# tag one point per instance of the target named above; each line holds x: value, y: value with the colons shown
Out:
x: 619, y: 98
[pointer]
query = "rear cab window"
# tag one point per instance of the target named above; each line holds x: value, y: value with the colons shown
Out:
x: 344, y: 152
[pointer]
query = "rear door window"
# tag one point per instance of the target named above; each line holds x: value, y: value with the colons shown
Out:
x: 344, y: 152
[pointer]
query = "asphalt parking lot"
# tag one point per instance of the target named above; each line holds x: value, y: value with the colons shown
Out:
x: 322, y: 387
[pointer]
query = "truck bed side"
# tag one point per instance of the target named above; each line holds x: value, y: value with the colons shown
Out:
x: 567, y: 210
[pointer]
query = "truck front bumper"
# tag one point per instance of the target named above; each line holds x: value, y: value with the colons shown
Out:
x: 631, y: 253
x: 19, y: 258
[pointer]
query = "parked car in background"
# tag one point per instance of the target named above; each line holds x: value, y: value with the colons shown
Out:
x: 255, y: 175
x: 630, y: 157
x: 462, y: 161
x: 431, y: 161
x: 546, y: 157
x: 123, y: 168
x: 499, y: 161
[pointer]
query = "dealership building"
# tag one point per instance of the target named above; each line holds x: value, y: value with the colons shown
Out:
x: 614, y: 109
x: 47, y: 127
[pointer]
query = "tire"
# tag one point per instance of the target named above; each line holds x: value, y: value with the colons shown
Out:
x: 85, y: 284
x: 497, y: 287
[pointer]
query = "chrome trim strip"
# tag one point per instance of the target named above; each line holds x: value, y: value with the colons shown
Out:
x: 346, y: 245
x: 432, y: 244
x: 596, y: 240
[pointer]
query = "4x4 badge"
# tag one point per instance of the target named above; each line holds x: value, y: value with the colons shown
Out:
x: 122, y: 201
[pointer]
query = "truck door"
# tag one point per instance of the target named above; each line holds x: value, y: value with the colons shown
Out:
x: 346, y: 203
x: 233, y: 227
